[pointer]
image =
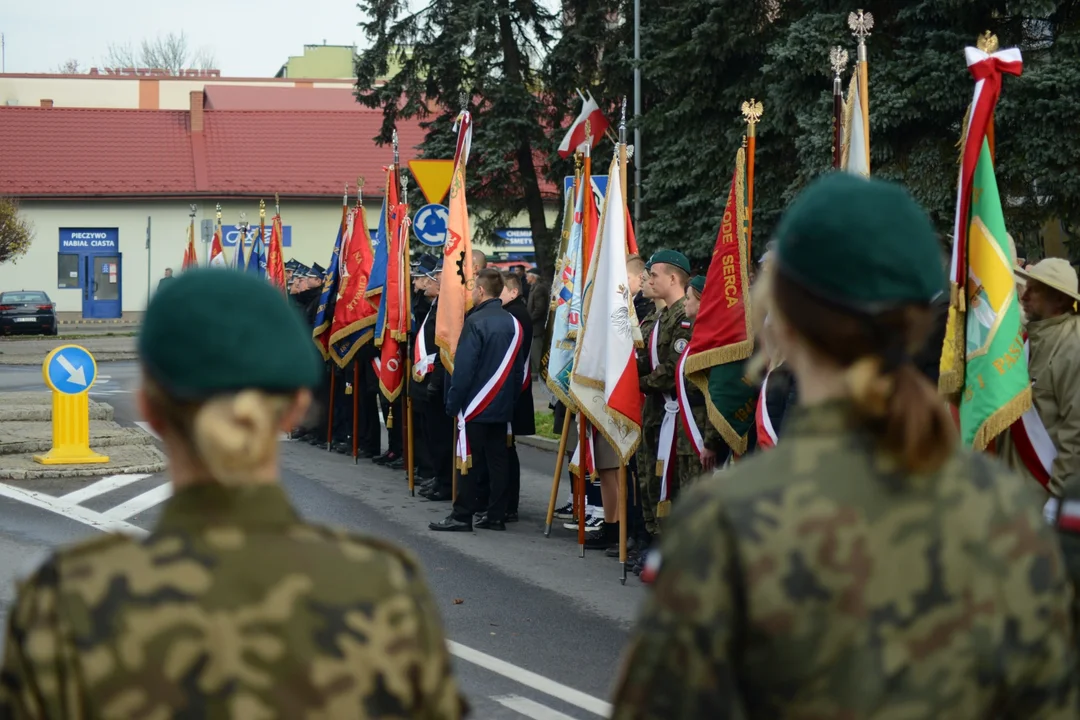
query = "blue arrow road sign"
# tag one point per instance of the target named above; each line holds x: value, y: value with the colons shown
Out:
x: 429, y: 224
x: 71, y: 370
x: 599, y: 185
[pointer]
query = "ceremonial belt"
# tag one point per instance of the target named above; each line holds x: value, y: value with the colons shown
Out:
x: 665, y: 449
x: 685, y: 411
x: 1032, y: 441
x: 483, y: 398
x: 766, y: 433
x: 423, y: 361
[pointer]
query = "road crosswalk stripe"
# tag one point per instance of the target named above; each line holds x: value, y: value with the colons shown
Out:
x: 113, y: 482
x: 530, y: 708
x: 75, y: 512
x: 139, y: 503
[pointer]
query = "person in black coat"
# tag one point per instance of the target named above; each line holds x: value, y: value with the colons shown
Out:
x: 426, y: 390
x: 524, y: 422
x: 484, y: 388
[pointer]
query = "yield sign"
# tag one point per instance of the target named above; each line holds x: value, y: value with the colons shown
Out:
x: 433, y: 177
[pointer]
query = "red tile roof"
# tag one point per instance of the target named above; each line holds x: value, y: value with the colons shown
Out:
x: 250, y: 97
x: 132, y: 153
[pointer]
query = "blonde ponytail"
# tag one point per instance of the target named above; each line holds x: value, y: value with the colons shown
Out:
x: 234, y: 434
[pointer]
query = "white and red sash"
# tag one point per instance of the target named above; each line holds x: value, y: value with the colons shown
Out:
x: 665, y: 448
x: 487, y: 393
x: 766, y: 433
x: 685, y: 411
x: 423, y: 361
x: 1032, y: 441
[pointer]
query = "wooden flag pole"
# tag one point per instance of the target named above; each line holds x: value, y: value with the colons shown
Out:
x: 355, y: 411
x: 563, y: 438
x: 622, y: 465
x: 751, y: 111
x: 861, y: 23
x: 587, y: 249
x: 838, y: 59
x: 330, y: 413
x: 403, y: 357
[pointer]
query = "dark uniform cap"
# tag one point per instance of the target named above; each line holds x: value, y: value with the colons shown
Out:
x: 698, y: 283
x: 863, y: 244
x: 217, y: 331
x: 293, y: 265
x: 426, y: 264
x: 670, y: 257
x: 316, y: 271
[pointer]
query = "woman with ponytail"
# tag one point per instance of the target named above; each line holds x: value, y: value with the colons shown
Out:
x: 866, y: 567
x: 232, y: 606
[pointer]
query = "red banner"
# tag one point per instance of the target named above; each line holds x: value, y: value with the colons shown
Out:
x: 354, y: 312
x: 396, y: 323
x: 275, y: 259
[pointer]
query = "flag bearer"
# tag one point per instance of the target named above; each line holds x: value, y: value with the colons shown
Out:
x: 700, y: 448
x: 426, y: 390
x: 867, y: 566
x: 232, y: 606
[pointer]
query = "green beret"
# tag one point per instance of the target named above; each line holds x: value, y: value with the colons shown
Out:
x: 215, y: 331
x: 670, y: 257
x: 865, y: 244
x: 698, y: 283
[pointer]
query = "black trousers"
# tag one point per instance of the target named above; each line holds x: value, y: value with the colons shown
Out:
x: 436, y: 440
x: 513, y: 489
x: 490, y: 460
x: 395, y: 421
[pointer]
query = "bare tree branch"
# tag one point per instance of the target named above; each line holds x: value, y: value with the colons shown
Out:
x: 171, y: 52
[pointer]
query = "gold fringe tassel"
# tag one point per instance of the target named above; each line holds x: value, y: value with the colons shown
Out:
x: 1003, y: 419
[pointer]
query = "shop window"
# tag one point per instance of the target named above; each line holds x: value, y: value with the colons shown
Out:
x: 67, y: 270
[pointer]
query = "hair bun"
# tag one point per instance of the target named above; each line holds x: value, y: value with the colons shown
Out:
x: 234, y: 434
x: 871, y: 390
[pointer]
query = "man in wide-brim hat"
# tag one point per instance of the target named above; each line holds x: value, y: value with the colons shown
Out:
x: 1049, y: 298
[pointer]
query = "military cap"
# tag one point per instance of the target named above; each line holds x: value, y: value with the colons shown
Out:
x: 864, y: 244
x: 212, y: 331
x: 293, y: 264
x: 317, y: 271
x: 301, y: 270
x: 670, y: 257
x: 698, y: 283
x: 426, y: 264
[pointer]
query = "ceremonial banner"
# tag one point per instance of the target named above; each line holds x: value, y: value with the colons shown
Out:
x: 575, y: 139
x: 275, y: 256
x: 983, y: 366
x: 190, y: 258
x: 239, y: 262
x: 393, y: 308
x: 256, y: 262
x: 217, y: 251
x: 604, y: 381
x: 354, y: 312
x: 566, y: 298
x: 631, y: 238
x: 324, y: 316
x: 723, y: 337
x: 455, y: 290
x: 856, y: 152
x: 381, y: 243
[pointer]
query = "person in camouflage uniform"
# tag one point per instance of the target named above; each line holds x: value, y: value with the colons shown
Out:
x: 232, y: 606
x: 867, y: 568
x: 651, y: 413
x: 668, y: 336
x: 691, y: 466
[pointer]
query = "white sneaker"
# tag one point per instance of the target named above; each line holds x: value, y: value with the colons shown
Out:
x: 593, y: 523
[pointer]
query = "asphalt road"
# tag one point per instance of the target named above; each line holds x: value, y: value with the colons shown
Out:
x: 536, y: 631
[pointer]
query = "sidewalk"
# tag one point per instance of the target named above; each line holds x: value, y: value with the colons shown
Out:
x: 32, y: 351
x: 26, y: 430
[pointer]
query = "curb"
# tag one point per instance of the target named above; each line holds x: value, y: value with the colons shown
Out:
x: 99, y: 357
x: 540, y: 443
x: 121, y: 321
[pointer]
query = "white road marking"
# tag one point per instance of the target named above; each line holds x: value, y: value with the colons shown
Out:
x: 530, y: 679
x: 101, y: 487
x: 56, y: 505
x: 530, y: 709
x: 139, y: 503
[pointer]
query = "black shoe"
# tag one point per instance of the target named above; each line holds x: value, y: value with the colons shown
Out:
x: 367, y: 454
x: 425, y: 492
x: 511, y: 517
x: 608, y: 535
x: 451, y: 524
x: 316, y: 440
x: 345, y: 448
x: 439, y: 495
x: 613, y: 551
x: 479, y: 518
x: 385, y: 458
x: 486, y: 524
x: 396, y: 464
x: 426, y: 486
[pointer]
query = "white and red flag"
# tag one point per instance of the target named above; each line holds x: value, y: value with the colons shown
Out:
x: 575, y: 139
x: 604, y: 382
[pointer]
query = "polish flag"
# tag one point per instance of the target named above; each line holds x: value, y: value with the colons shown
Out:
x: 217, y: 252
x: 604, y: 383
x: 575, y: 139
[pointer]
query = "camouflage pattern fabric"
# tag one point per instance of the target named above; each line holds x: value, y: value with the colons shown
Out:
x: 817, y: 581
x: 232, y: 608
x: 649, y: 490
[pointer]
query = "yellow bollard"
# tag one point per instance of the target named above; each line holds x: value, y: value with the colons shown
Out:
x: 70, y: 371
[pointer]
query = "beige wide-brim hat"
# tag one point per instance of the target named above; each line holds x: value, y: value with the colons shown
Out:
x: 1055, y: 273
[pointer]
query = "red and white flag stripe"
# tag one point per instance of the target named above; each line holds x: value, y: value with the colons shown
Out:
x: 685, y: 411
x: 766, y: 433
x: 575, y: 138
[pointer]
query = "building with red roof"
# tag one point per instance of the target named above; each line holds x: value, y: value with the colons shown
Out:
x: 111, y: 190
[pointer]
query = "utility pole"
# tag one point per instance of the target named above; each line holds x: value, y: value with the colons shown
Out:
x: 148, y: 279
x: 3, y: 54
x: 637, y: 116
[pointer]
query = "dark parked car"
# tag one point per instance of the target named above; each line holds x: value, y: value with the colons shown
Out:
x: 27, y: 311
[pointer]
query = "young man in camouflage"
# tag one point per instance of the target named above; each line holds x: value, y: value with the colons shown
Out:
x: 665, y: 339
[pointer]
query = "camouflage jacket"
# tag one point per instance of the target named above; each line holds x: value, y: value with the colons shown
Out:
x: 818, y: 581
x: 672, y: 336
x: 231, y: 608
x: 651, y: 413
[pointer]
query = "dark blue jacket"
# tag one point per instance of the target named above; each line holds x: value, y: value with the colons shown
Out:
x: 485, y: 339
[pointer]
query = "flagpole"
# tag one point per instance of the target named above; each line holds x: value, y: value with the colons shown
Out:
x: 262, y: 227
x: 861, y: 23
x: 582, y: 423
x: 838, y: 59
x: 406, y: 270
x: 752, y: 113
x: 622, y: 465
x: 356, y: 363
x: 564, y: 436
x: 330, y: 412
x: 988, y: 43
x: 221, y: 234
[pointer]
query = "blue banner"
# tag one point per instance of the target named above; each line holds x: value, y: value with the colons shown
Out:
x: 232, y: 233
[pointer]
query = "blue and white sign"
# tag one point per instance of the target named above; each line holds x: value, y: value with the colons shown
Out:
x: 232, y: 234
x: 599, y: 187
x: 517, y: 238
x: 89, y: 240
x: 71, y: 370
x: 429, y: 224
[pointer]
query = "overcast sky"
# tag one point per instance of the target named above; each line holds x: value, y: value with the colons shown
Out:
x: 248, y: 37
